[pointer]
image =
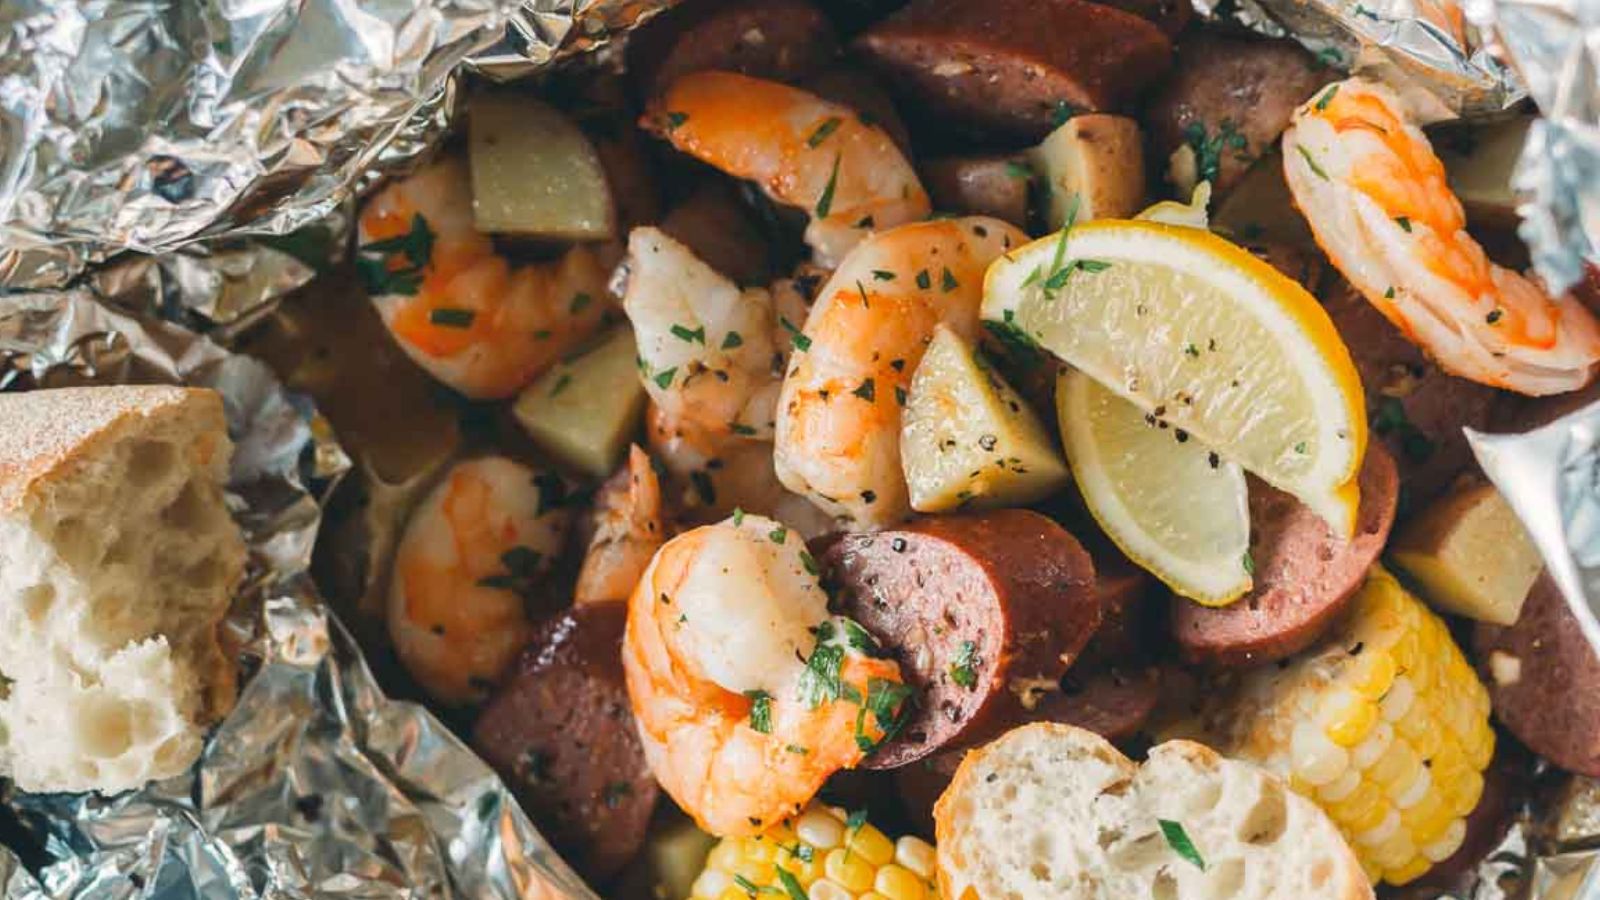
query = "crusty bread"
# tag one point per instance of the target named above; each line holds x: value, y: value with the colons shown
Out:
x: 117, y: 558
x: 1052, y: 811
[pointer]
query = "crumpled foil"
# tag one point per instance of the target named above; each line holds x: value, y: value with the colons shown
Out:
x: 1555, y: 47
x: 316, y: 785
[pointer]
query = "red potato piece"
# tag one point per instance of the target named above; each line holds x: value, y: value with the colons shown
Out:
x: 977, y: 609
x: 559, y: 731
x: 980, y: 186
x: 783, y: 40
x: 1304, y: 575
x: 1413, y: 408
x: 1006, y: 66
x: 1253, y: 85
x: 1544, y: 680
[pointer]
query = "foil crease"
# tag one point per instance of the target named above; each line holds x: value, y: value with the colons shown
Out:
x: 1426, y: 48
x: 1555, y: 47
x: 316, y: 785
x: 147, y: 125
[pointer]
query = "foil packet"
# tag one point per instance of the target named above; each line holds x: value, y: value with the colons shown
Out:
x: 316, y: 785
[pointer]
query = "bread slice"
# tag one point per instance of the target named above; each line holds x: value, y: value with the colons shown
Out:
x: 1052, y: 811
x: 117, y: 559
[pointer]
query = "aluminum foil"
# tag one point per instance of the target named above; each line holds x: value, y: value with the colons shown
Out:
x: 316, y: 785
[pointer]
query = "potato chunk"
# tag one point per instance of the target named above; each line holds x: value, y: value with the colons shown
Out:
x: 1471, y: 555
x: 1097, y: 158
x: 968, y: 439
x: 583, y: 412
x: 534, y: 173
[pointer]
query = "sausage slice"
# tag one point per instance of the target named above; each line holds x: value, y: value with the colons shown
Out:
x: 983, y: 612
x: 783, y: 40
x: 559, y: 731
x: 1413, y: 408
x: 1013, y: 66
x: 1228, y: 100
x: 1304, y: 574
x: 1544, y: 680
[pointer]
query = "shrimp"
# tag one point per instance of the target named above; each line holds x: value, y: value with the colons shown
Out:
x: 804, y: 151
x: 1374, y: 193
x: 458, y: 308
x: 712, y: 358
x: 470, y: 558
x: 628, y: 531
x: 747, y: 693
x: 838, y: 426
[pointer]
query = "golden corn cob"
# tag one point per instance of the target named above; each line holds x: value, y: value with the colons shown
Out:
x: 823, y: 854
x: 1383, y: 723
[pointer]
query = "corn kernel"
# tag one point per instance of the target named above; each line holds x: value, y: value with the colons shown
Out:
x: 1374, y: 747
x: 1407, y: 873
x: 804, y: 871
x: 725, y: 855
x: 760, y: 849
x: 828, y: 890
x: 1339, y: 788
x: 1395, y: 853
x: 1316, y: 759
x: 756, y: 872
x: 1427, y: 742
x: 1467, y: 793
x: 1448, y: 843
x: 1397, y: 702
x: 1480, y: 745
x: 1362, y: 812
x: 1428, y: 819
x: 819, y: 829
x: 848, y: 869
x: 1373, y: 675
x: 1383, y: 831
x: 1349, y: 719
x: 1398, y: 766
x: 915, y: 854
x: 1409, y: 795
x: 870, y: 844
x: 734, y: 893
x: 899, y: 883
x: 873, y: 895
x: 711, y: 883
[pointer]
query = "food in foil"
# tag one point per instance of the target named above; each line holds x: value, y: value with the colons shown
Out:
x: 806, y: 456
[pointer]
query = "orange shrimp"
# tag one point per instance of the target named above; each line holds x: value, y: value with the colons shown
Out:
x: 737, y: 728
x: 838, y: 427
x: 455, y: 305
x: 629, y: 529
x: 471, y: 553
x: 846, y: 173
x: 1375, y: 195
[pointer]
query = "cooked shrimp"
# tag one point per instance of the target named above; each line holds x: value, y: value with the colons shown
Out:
x: 747, y: 693
x: 472, y: 554
x: 712, y: 359
x: 457, y: 307
x: 629, y: 529
x: 1375, y: 195
x: 838, y: 430
x: 846, y: 173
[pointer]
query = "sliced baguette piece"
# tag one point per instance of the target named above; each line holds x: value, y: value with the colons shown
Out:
x: 119, y: 557
x: 1050, y: 810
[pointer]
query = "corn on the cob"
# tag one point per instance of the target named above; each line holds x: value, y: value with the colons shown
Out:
x: 1383, y: 723
x: 823, y: 854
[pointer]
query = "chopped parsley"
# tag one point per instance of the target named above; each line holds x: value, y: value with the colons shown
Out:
x: 663, y: 378
x: 732, y: 340
x: 777, y: 535
x: 791, y: 885
x: 1018, y: 170
x: 1208, y: 149
x: 675, y: 120
x: 1178, y: 840
x: 1404, y: 222
x: 1249, y: 563
x: 810, y: 563
x: 751, y: 888
x: 522, y: 572
x: 561, y: 384
x: 947, y: 281
x: 1017, y: 342
x: 800, y: 341
x: 695, y: 336
x: 886, y: 701
x: 411, y: 250
x: 1062, y: 112
x: 580, y: 302
x: 760, y: 711
x: 451, y: 317
x: 924, y: 281
x: 855, y: 820
x: 962, y: 670
x: 828, y: 126
x: 740, y: 428
x: 867, y: 391
x: 1390, y: 418
x: 738, y: 517
x: 1494, y: 315
x: 825, y: 202
x: 900, y: 399
x: 860, y: 639
x: 1327, y: 97
x: 1312, y: 162
x: 614, y: 793
x: 819, y: 683
x: 883, y: 274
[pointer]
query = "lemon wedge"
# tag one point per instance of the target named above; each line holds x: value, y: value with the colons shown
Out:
x: 1174, y: 507
x: 1200, y: 334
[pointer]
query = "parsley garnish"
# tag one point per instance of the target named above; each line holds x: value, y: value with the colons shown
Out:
x: 451, y: 317
x: 1062, y: 112
x: 1178, y: 840
x: 810, y: 563
x: 1494, y: 315
x: 882, y: 274
x: 741, y: 429
x: 663, y: 378
x: 738, y: 517
x: 675, y: 120
x: 947, y: 281
x: 415, y: 247
x: 1018, y: 170
x: 801, y: 342
x: 731, y: 340
x: 1404, y: 222
x: 867, y: 391
x: 855, y: 820
x: 828, y: 126
x: 900, y: 399
x: 1249, y: 563
x: 1327, y: 97
x: 961, y: 669
x: 923, y: 280
x: 1390, y: 418
x: 522, y: 571
x: 778, y: 534
x: 580, y: 302
x: 1312, y: 162
x: 819, y: 683
x: 561, y: 384
x: 791, y: 885
x: 751, y: 888
x: 860, y: 639
x: 760, y: 711
x: 1208, y: 150
x: 825, y: 202
x: 1017, y: 342
x: 885, y: 700
x: 696, y: 336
